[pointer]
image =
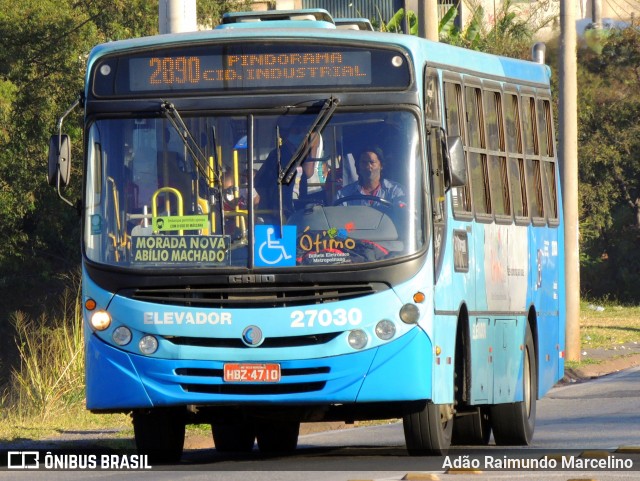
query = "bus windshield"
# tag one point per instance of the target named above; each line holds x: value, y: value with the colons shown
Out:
x: 205, y: 191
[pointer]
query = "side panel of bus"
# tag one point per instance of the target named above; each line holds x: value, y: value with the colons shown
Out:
x: 502, y: 250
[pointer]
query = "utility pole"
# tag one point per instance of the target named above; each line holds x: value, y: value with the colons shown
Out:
x: 175, y: 16
x: 568, y: 133
x: 428, y: 19
x: 596, y: 14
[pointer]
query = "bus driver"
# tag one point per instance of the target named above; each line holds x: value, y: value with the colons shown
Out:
x: 370, y: 180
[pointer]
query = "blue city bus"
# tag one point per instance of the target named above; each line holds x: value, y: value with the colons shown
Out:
x: 288, y: 222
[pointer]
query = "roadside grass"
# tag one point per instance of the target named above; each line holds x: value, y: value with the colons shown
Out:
x: 45, y: 395
x: 605, y: 325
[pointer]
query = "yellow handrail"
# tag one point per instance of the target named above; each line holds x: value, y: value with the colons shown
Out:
x: 119, y: 239
x: 240, y: 219
x: 169, y: 190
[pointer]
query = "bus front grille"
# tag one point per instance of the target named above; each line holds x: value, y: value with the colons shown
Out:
x: 269, y: 342
x: 254, y: 389
x: 259, y: 296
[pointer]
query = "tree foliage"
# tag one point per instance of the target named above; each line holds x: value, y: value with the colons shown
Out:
x: 509, y: 32
x: 609, y: 156
x: 210, y: 11
x: 44, y: 48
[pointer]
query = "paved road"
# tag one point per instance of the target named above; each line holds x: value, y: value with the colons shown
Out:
x: 597, y: 420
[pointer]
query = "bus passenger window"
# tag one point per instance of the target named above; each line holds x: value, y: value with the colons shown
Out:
x: 529, y: 126
x: 497, y: 163
x: 551, y: 192
x: 453, y: 111
x: 516, y: 158
x: 518, y: 188
x: 431, y: 105
x: 534, y: 175
x: 546, y: 150
x: 476, y: 157
x: 534, y: 181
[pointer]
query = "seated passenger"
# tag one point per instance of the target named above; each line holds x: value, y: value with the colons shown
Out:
x: 370, y: 180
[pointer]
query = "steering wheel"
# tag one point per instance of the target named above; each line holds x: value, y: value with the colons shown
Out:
x: 360, y: 197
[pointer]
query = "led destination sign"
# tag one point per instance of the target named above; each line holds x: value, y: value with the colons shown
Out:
x: 255, y: 70
x: 251, y: 67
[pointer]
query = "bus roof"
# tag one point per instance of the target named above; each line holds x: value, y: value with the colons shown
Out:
x: 420, y: 50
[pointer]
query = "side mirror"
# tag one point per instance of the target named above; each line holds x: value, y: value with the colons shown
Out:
x: 456, y: 163
x: 59, y: 160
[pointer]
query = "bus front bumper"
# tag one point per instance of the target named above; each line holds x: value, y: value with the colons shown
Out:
x: 398, y: 371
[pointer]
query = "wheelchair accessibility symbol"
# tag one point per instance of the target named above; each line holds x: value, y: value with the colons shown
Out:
x: 272, y: 251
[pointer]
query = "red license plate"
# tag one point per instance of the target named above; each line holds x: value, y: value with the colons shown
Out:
x: 251, y: 372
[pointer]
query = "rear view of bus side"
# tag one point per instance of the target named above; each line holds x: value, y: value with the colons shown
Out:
x: 287, y: 219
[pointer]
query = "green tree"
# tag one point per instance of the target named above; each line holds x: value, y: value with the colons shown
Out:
x: 609, y: 153
x: 210, y: 11
x: 509, y: 33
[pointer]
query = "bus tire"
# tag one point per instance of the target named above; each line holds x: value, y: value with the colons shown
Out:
x: 428, y: 430
x: 278, y: 437
x: 159, y: 434
x: 472, y: 429
x: 513, y: 423
x: 233, y: 437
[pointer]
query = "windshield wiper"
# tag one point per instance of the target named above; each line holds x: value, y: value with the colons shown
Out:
x: 199, y: 158
x: 211, y: 173
x: 287, y: 174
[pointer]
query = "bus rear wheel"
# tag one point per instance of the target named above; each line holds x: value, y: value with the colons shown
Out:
x: 513, y: 423
x: 159, y: 434
x: 427, y: 431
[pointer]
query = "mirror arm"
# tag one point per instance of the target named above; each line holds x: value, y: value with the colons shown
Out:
x: 64, y: 116
x: 60, y: 191
x: 60, y: 121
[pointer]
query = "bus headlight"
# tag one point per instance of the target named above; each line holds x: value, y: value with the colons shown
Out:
x: 100, y: 320
x: 358, y: 339
x: 409, y: 313
x: 121, y: 336
x: 385, y: 329
x: 148, y: 345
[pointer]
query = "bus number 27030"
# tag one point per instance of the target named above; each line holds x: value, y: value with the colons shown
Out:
x: 326, y: 317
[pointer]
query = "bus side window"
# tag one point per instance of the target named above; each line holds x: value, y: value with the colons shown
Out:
x: 548, y: 160
x: 516, y: 157
x: 476, y: 156
x: 431, y: 103
x: 453, y: 113
x: 497, y: 162
x: 534, y: 177
x: 435, y: 142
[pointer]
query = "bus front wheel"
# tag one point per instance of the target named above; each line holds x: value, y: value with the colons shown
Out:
x: 427, y: 430
x: 159, y: 434
x: 513, y: 423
